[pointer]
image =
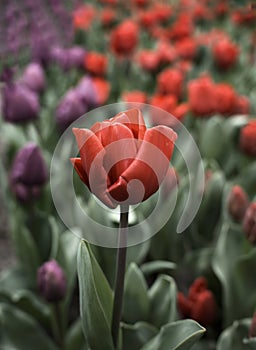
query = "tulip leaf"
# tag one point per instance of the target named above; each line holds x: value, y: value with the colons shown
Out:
x: 75, y: 338
x: 136, y: 301
x: 233, y: 260
x: 135, y: 336
x: 180, y: 335
x: 235, y: 337
x: 96, y: 301
x: 22, y: 330
x: 162, y: 296
x: 157, y: 266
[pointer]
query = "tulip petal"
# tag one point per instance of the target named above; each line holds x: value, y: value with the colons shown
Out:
x: 77, y: 163
x: 120, y: 147
x: 150, y: 166
x: 92, y: 154
x: 133, y: 119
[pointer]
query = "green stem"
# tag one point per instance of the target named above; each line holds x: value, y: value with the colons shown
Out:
x: 120, y: 273
x: 59, y: 324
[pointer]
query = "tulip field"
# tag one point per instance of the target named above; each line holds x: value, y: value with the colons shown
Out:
x: 128, y: 175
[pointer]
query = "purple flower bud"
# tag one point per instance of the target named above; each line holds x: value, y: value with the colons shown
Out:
x: 87, y: 91
x: 28, y: 173
x: 33, y: 77
x: 51, y: 281
x: 20, y: 104
x: 70, y: 108
x: 68, y: 58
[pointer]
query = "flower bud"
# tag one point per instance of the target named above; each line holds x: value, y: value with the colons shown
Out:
x: 198, y: 286
x: 20, y: 104
x: 28, y: 173
x: 248, y: 138
x: 204, y: 308
x: 51, y: 281
x: 237, y: 203
x: 33, y: 77
x: 68, y: 58
x: 249, y: 223
x: 70, y: 108
x: 252, y: 328
x: 93, y: 91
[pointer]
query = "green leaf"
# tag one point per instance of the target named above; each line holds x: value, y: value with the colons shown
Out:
x: 26, y: 250
x: 180, y: 335
x: 22, y: 330
x: 75, y: 338
x: 233, y: 337
x: 96, y: 301
x: 233, y: 261
x: 162, y: 296
x: 135, y: 336
x: 157, y: 266
x: 136, y: 301
x: 13, y: 279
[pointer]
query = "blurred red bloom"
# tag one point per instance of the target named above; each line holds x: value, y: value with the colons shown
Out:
x: 225, y: 97
x: 83, y: 16
x: 166, y: 52
x: 95, y: 63
x: 201, y: 96
x: 237, y: 203
x: 134, y: 96
x: 124, y: 38
x: 181, y: 110
x: 182, y: 27
x: 200, y: 304
x: 225, y: 53
x: 108, y: 17
x: 119, y: 156
x: 249, y: 223
x: 248, y: 138
x: 170, y: 81
x: 186, y: 48
x: 148, y: 60
x: 242, y: 105
x: 167, y: 102
x: 102, y: 89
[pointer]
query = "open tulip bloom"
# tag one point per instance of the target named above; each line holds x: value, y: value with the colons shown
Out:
x: 123, y: 163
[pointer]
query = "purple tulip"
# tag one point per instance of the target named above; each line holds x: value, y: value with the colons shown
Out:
x: 33, y: 77
x: 51, y: 281
x: 28, y: 173
x: 68, y: 58
x: 70, y: 108
x: 87, y: 91
x: 20, y: 104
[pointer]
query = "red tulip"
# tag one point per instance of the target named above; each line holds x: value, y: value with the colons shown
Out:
x: 121, y: 161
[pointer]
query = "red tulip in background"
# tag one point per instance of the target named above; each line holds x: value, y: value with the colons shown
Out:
x: 200, y: 303
x: 237, y: 203
x: 248, y: 138
x: 225, y: 53
x: 124, y: 38
x: 120, y: 154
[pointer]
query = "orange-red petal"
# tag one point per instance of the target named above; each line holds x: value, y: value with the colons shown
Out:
x: 77, y: 163
x: 133, y: 119
x: 92, y: 154
x: 150, y: 166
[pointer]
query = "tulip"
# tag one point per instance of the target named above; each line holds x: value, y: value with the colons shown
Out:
x: 237, y: 203
x: 93, y: 91
x: 51, y: 281
x: 252, y: 328
x: 68, y: 58
x: 121, y: 161
x: 28, y: 173
x: 20, y: 104
x: 70, y: 108
x: 33, y: 77
x: 249, y: 223
x: 247, y: 141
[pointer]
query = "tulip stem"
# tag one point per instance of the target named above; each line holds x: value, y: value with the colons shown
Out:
x: 120, y: 273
